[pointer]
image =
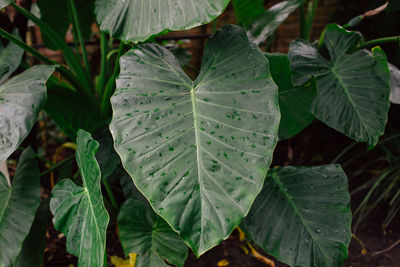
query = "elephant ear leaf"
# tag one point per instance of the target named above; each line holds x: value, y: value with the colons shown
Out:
x: 4, y: 3
x: 21, y: 100
x: 137, y: 20
x: 79, y: 211
x: 352, y: 88
x: 302, y: 216
x: 213, y: 138
x: 143, y: 232
x: 10, y: 57
x: 18, y: 204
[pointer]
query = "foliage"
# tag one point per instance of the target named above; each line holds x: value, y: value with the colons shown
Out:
x: 191, y: 156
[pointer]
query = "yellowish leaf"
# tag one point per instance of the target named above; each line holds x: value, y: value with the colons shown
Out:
x: 223, y: 263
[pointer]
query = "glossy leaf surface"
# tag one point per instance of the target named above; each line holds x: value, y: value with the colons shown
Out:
x: 302, y: 216
x: 79, y: 211
x: 10, y: 57
x: 143, y: 232
x: 137, y: 20
x: 352, y: 89
x: 18, y: 204
x: 21, y: 99
x: 265, y: 26
x: 56, y: 14
x: 294, y: 101
x: 248, y: 11
x: 201, y: 148
x: 34, y: 244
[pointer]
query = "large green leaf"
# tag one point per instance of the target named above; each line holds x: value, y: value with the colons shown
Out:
x: 248, y: 11
x: 55, y: 13
x: 294, y: 101
x: 10, y: 57
x: 4, y: 3
x: 21, y: 99
x: 265, y: 26
x: 71, y: 110
x: 79, y: 211
x: 137, y: 20
x: 143, y: 232
x: 352, y: 89
x: 18, y: 205
x: 200, y: 147
x: 302, y: 216
x: 34, y: 244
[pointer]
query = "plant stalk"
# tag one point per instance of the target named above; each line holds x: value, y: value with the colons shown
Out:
x: 110, y: 193
x: 103, y: 68
x: 378, y: 41
x: 56, y: 166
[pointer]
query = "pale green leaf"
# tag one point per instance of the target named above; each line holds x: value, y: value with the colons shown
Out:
x: 10, y: 57
x: 4, y: 3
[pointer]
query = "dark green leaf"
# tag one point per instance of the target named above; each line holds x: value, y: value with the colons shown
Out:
x: 107, y: 158
x: 143, y: 232
x: 271, y: 19
x: 79, y: 211
x: 352, y: 89
x: 137, y: 20
x: 200, y: 147
x: 294, y: 101
x: 55, y: 14
x: 10, y: 57
x: 71, y: 110
x: 18, y: 205
x: 34, y: 244
x: 248, y: 11
x: 182, y: 54
x: 21, y: 99
x: 302, y: 216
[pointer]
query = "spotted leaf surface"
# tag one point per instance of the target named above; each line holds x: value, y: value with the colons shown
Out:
x: 79, y: 211
x: 198, y: 150
x: 302, y: 216
x: 352, y: 89
x: 137, y: 20
x: 21, y: 99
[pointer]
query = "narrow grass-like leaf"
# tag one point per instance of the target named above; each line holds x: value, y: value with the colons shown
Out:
x: 201, y: 148
x: 302, y: 216
x: 79, y: 211
x: 18, y: 204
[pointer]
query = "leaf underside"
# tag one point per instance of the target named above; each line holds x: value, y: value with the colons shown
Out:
x: 352, y: 89
x: 302, y: 216
x: 137, y: 20
x: 201, y: 148
x: 78, y: 211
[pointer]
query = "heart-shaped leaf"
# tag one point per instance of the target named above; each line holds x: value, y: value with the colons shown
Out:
x: 18, y: 205
x: 302, y: 216
x: 10, y: 57
x: 268, y: 22
x: 352, y: 89
x: 21, y: 99
x: 56, y: 14
x: 143, y: 232
x: 294, y: 101
x: 137, y: 20
x: 79, y: 211
x: 201, y: 148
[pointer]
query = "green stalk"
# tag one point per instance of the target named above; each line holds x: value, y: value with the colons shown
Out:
x: 67, y: 52
x: 103, y: 69
x: 312, y: 9
x: 66, y: 73
x: 56, y: 166
x: 378, y: 41
x: 110, y: 194
x: 108, y: 91
x: 77, y: 28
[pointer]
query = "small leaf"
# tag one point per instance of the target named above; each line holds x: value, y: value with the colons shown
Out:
x: 34, y: 244
x: 352, y: 89
x: 78, y: 211
x: 18, y: 205
x: 294, y: 101
x: 137, y: 20
x: 143, y: 232
x: 268, y: 22
x: 21, y: 99
x: 302, y: 216
x: 201, y: 146
x: 10, y: 57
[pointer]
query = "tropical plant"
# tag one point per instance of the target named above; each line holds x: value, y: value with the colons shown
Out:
x: 192, y: 156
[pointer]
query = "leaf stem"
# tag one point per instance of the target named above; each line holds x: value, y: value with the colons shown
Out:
x: 110, y: 193
x: 310, y: 18
x: 103, y: 68
x: 59, y: 164
x: 80, y: 37
x: 378, y: 41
